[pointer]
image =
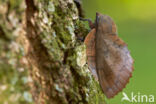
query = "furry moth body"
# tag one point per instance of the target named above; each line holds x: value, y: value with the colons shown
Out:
x: 107, y: 56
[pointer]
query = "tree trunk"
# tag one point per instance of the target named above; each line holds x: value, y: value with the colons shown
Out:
x: 56, y: 58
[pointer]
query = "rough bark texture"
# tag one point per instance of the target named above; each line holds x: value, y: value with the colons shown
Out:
x: 56, y: 59
x: 13, y: 76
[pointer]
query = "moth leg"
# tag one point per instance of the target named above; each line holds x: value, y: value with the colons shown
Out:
x: 91, y: 24
x: 80, y: 39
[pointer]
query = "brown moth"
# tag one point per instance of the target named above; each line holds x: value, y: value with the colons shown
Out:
x: 107, y: 56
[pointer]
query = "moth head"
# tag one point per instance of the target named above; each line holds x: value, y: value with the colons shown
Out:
x: 105, y: 23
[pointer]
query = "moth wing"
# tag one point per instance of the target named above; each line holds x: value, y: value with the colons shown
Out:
x: 90, y: 51
x: 114, y: 64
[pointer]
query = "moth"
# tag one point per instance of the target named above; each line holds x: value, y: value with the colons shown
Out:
x: 108, y: 57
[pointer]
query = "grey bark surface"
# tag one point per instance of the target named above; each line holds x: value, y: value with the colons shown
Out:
x: 55, y: 58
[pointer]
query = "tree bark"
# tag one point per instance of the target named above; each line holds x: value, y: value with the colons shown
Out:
x: 56, y: 58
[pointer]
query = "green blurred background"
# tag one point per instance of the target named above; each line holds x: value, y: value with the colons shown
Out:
x: 136, y: 22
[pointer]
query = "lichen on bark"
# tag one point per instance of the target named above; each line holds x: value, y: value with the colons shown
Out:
x: 56, y: 58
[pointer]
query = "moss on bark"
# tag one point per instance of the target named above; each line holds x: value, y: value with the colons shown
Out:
x: 56, y: 58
